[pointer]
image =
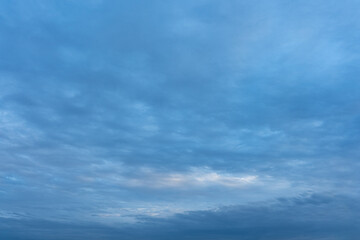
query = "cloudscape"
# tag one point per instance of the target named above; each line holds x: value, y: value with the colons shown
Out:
x: 191, y: 119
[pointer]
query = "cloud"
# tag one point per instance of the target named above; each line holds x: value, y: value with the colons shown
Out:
x: 116, y: 112
x: 306, y: 216
x: 302, y: 217
x: 197, y: 177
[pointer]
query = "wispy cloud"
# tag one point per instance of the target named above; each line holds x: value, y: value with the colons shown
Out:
x: 197, y: 177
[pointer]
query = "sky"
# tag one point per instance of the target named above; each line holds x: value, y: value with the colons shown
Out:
x: 192, y: 119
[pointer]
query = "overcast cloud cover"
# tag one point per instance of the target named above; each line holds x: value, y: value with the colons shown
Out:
x: 206, y: 120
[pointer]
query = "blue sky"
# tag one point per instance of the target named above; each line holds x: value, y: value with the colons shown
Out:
x: 179, y: 120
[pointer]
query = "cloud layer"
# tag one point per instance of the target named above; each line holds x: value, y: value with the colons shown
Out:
x: 192, y: 119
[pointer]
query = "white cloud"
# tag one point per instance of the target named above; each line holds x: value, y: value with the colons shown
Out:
x: 194, y: 178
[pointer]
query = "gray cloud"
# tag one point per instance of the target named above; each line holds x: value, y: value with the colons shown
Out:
x: 302, y: 217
